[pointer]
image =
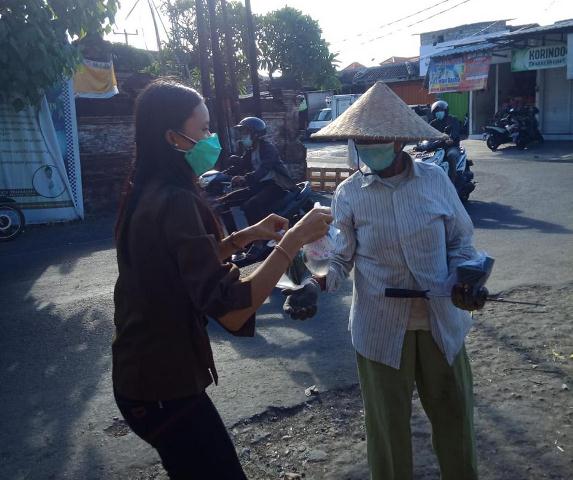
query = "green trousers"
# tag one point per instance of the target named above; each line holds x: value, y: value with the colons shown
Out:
x: 446, y: 393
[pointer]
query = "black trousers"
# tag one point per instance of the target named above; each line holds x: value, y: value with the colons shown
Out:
x: 452, y: 155
x: 257, y: 201
x: 188, y: 434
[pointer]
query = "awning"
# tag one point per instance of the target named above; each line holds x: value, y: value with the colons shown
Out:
x: 482, y: 47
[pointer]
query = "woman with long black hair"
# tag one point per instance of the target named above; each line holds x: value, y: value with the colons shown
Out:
x: 173, y: 276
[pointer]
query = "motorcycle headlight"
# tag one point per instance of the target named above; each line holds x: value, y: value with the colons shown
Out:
x: 205, y: 181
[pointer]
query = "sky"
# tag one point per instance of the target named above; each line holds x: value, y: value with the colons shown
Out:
x: 372, y: 30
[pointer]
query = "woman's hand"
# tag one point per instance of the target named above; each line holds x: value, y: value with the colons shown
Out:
x: 311, y: 227
x: 270, y: 228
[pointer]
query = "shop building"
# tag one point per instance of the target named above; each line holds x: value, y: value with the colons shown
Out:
x: 517, y: 66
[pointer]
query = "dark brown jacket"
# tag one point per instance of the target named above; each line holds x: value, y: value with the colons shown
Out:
x: 170, y: 281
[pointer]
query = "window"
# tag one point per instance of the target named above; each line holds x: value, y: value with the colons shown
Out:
x: 324, y: 115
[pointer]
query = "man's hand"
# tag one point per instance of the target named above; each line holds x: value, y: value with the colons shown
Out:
x: 463, y: 297
x: 238, y: 181
x: 301, y: 304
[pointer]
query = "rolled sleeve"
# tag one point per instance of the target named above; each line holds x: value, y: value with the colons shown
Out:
x: 214, y: 288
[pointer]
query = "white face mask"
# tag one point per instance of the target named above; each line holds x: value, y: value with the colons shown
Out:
x: 352, y: 159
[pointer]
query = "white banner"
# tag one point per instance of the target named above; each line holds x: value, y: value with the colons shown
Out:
x: 537, y: 58
x: 39, y: 158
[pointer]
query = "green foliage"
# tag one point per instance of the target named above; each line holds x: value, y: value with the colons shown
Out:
x: 128, y: 58
x: 292, y: 43
x: 288, y: 42
x: 181, y: 52
x: 36, y: 52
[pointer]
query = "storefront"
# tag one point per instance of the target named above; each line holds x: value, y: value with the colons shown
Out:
x: 521, y: 68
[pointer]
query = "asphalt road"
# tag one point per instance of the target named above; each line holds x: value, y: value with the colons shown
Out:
x: 56, y: 282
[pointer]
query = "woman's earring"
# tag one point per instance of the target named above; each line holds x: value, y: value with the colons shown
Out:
x: 175, y: 145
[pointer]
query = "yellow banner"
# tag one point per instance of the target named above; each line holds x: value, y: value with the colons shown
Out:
x: 95, y: 80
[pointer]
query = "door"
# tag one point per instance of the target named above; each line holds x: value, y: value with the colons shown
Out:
x: 459, y: 103
x: 342, y: 105
x: 557, y: 99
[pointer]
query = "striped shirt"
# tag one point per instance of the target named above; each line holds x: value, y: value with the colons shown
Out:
x: 406, y: 234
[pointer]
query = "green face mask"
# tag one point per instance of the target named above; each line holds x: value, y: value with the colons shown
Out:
x: 378, y: 156
x: 204, y: 155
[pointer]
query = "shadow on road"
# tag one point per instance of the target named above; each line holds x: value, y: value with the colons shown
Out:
x: 322, y: 344
x: 53, y: 358
x: 550, y: 152
x: 493, y: 215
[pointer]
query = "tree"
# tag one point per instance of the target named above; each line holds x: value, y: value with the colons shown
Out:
x: 35, y: 36
x: 288, y: 42
x: 292, y: 43
x: 181, y: 50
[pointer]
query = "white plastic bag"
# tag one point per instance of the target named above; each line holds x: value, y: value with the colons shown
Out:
x: 317, y: 254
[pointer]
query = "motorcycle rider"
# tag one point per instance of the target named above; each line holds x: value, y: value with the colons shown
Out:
x: 445, y: 123
x: 260, y: 170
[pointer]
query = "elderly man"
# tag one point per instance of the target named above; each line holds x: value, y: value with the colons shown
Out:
x: 402, y: 225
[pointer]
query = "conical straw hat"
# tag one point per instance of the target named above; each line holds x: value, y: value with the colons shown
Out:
x: 379, y: 115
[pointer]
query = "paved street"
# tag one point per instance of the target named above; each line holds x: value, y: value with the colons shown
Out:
x: 56, y: 323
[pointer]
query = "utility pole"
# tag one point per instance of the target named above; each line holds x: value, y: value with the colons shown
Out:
x: 203, y: 51
x: 253, y: 59
x: 219, y: 74
x: 234, y: 93
x: 126, y: 34
x: 155, y: 26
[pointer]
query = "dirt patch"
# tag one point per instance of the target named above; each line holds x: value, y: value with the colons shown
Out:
x: 522, y: 360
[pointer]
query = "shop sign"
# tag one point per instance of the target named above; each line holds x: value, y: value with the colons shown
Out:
x: 459, y: 74
x: 537, y: 58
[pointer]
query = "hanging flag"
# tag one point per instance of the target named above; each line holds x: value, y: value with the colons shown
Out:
x: 95, y: 80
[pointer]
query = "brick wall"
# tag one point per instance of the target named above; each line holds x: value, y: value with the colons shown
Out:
x: 106, y: 140
x: 281, y: 116
x: 106, y: 151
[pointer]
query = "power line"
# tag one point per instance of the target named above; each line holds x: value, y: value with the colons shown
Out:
x: 415, y: 23
x: 160, y: 19
x: 381, y: 27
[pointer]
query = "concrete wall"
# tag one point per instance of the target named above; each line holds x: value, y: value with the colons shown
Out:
x: 484, y: 104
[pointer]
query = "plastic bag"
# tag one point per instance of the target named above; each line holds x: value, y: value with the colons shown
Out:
x: 317, y: 255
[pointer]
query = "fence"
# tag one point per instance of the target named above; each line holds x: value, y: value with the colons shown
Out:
x: 325, y: 179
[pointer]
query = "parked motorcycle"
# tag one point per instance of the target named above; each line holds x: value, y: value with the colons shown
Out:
x: 435, y: 152
x: 518, y: 125
x: 12, y: 220
x: 293, y: 206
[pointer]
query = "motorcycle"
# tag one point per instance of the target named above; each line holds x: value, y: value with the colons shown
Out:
x: 435, y: 152
x: 293, y: 206
x: 12, y: 220
x: 519, y: 126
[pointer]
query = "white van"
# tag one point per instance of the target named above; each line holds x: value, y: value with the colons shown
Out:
x: 337, y: 105
x: 321, y: 119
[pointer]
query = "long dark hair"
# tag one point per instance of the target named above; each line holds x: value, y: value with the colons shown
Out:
x: 163, y: 105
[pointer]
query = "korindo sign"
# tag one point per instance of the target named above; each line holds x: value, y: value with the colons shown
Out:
x: 536, y: 58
